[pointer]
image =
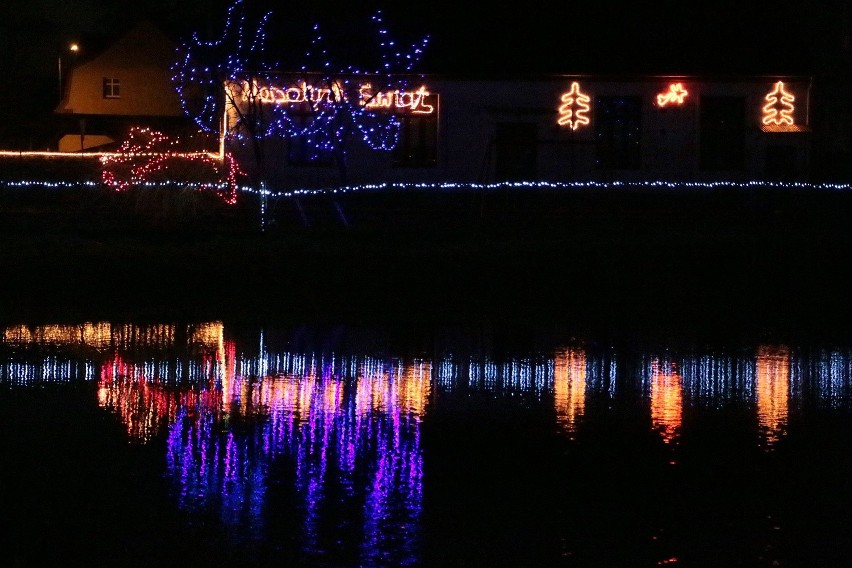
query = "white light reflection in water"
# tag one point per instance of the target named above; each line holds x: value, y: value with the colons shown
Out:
x: 773, y: 391
x: 822, y: 377
x: 50, y: 370
x: 713, y: 380
x: 523, y: 376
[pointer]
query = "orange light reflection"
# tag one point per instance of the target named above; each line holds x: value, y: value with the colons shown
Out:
x: 773, y: 390
x: 569, y: 387
x: 666, y: 399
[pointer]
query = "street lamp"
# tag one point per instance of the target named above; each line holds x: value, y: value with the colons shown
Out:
x: 73, y: 48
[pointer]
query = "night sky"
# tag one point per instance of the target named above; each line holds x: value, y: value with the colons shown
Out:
x: 661, y: 37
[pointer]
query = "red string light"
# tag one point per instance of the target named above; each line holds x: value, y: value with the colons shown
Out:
x: 147, y: 154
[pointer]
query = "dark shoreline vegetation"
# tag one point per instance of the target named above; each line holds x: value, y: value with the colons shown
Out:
x: 670, y: 262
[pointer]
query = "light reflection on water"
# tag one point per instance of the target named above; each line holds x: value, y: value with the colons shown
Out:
x: 246, y: 421
x: 148, y: 374
x: 666, y: 399
x: 349, y: 439
x: 569, y: 387
x: 772, y: 371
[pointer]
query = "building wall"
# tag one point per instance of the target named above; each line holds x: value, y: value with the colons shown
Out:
x: 146, y: 90
x: 488, y: 130
x: 140, y: 63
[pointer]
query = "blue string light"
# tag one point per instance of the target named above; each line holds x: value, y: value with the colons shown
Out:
x: 326, y: 123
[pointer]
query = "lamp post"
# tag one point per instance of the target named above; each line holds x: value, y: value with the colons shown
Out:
x: 73, y: 48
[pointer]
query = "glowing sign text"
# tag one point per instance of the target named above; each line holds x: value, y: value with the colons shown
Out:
x: 414, y: 101
x: 574, y: 107
x: 301, y: 93
x: 779, y: 108
x: 674, y: 95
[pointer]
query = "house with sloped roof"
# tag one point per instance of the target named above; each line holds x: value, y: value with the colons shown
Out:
x: 127, y: 84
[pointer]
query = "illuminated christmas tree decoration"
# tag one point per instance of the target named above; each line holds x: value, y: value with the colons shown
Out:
x: 778, y: 110
x: 675, y: 95
x: 574, y: 107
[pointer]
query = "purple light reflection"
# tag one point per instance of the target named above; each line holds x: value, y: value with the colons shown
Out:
x: 354, y: 446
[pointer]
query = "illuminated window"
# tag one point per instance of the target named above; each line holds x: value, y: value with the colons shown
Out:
x: 722, y: 135
x: 112, y: 88
x: 618, y: 133
x: 418, y: 141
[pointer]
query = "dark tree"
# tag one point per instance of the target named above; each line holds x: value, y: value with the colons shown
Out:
x: 232, y: 86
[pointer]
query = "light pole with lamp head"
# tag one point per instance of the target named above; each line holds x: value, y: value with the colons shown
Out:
x: 74, y: 48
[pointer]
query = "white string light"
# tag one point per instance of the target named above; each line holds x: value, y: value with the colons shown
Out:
x: 453, y: 186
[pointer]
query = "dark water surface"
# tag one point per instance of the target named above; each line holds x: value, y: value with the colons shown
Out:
x: 210, y: 444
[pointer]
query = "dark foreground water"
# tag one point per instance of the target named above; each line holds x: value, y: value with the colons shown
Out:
x: 205, y: 444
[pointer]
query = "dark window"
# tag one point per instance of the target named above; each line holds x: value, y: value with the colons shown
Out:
x: 516, y: 151
x: 722, y: 135
x: 112, y: 88
x: 618, y: 133
x: 418, y: 141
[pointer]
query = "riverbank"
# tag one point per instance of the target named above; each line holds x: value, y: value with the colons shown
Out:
x: 758, y: 261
